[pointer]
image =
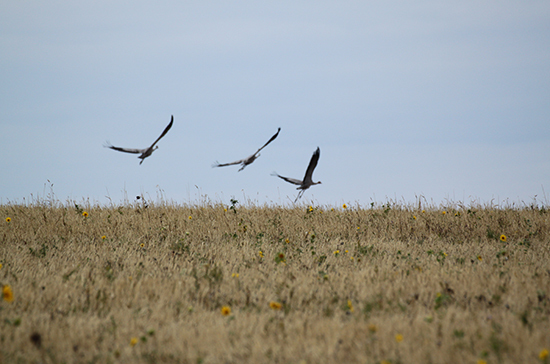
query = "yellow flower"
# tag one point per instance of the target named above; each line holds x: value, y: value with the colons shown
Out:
x: 414, y: 217
x: 190, y: 218
x: 346, y: 252
x: 226, y: 310
x: 103, y: 237
x: 275, y: 305
x: 7, y: 293
x: 336, y: 252
x: 350, y: 306
x: 423, y: 211
x: 1, y: 265
x: 85, y: 214
x: 543, y: 355
x: 398, y: 338
x: 503, y: 238
x: 479, y: 258
x: 332, y: 209
x: 8, y: 219
x: 142, y: 245
x: 444, y: 212
x: 235, y: 275
x: 481, y: 361
x: 372, y: 328
x: 224, y: 210
x: 261, y: 254
x: 358, y: 227
x: 444, y: 254
x: 310, y: 208
x: 133, y: 341
x: 287, y: 241
x: 344, y: 206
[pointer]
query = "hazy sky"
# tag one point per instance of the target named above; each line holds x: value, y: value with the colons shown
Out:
x: 449, y: 100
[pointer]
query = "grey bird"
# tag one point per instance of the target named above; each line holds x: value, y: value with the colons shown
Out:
x: 146, y: 152
x: 248, y: 160
x: 307, y: 182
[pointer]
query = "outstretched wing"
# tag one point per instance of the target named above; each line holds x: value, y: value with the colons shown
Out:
x: 288, y: 179
x: 269, y: 141
x: 126, y: 150
x: 226, y: 164
x: 164, y: 132
x: 311, y: 166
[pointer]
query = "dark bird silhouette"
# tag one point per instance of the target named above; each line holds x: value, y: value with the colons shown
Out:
x: 146, y: 152
x: 307, y: 182
x: 248, y: 160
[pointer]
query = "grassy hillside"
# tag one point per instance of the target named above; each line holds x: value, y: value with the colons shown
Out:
x: 232, y: 284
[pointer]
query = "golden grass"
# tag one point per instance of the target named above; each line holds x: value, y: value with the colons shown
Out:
x: 188, y: 284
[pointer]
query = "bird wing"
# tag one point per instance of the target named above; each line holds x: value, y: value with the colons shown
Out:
x: 311, y: 166
x: 269, y: 141
x: 164, y: 132
x: 288, y: 179
x: 127, y: 150
x: 226, y: 164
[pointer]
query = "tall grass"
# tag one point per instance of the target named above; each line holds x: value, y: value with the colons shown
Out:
x: 214, y: 283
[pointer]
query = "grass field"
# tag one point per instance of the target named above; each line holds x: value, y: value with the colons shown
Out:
x: 217, y: 283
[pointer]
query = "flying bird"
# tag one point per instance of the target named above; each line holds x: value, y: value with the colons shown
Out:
x: 248, y: 160
x: 146, y: 152
x: 307, y: 182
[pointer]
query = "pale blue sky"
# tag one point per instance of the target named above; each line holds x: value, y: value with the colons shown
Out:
x: 448, y: 100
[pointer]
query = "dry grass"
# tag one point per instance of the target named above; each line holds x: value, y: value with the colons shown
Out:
x: 188, y: 284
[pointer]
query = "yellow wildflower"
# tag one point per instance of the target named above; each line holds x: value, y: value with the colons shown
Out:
x: 261, y: 254
x: 142, y: 245
x: 1, y: 265
x: 444, y: 212
x: 226, y: 310
x: 275, y: 305
x: 372, y: 328
x: 287, y: 241
x: 133, y: 341
x: 414, y: 217
x: 103, y: 237
x: 8, y: 219
x: 85, y: 214
x: 7, y: 293
x: 543, y: 355
x: 350, y: 306
x: 503, y: 238
x: 336, y: 252
x: 481, y: 361
x: 235, y: 275
x: 398, y: 338
x: 190, y: 218
x: 344, y: 206
x: 310, y: 208
x: 479, y: 258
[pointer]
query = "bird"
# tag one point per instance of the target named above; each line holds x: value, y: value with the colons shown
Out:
x: 307, y: 182
x: 248, y: 160
x: 146, y: 152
